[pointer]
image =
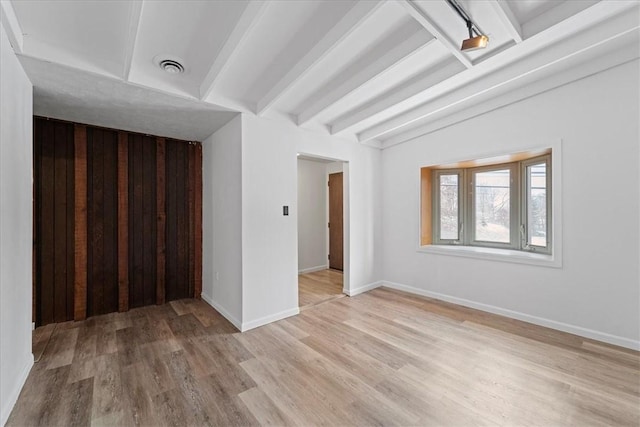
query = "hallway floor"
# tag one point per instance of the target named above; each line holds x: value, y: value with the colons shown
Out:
x: 319, y: 287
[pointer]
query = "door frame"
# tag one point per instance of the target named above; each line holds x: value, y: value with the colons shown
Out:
x: 346, y: 219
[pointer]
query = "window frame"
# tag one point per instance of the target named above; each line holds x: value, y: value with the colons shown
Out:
x: 436, y: 206
x: 524, y: 164
x: 518, y: 214
x: 513, y: 206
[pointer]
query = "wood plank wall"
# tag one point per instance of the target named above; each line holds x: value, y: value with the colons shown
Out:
x: 142, y: 220
x: 54, y: 221
x: 102, y: 221
x: 130, y: 209
x: 180, y: 219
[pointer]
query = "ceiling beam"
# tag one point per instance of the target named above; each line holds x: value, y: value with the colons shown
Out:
x: 401, y: 97
x: 593, y: 61
x: 132, y: 37
x: 389, y: 54
x: 248, y: 20
x: 11, y: 26
x: 422, y: 18
x: 352, y: 20
x: 531, y: 60
x: 508, y: 19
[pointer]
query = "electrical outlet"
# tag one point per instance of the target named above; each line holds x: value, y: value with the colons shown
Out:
x: 217, y: 276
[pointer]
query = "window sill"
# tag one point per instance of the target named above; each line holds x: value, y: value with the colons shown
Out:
x: 493, y: 254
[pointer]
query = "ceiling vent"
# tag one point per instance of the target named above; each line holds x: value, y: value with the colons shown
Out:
x: 171, y: 66
x: 170, y: 63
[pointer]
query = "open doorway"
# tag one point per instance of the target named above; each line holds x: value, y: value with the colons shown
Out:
x: 321, y: 224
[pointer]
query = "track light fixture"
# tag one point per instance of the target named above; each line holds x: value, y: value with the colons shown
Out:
x: 480, y: 40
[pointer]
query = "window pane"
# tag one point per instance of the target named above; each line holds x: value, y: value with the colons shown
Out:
x: 537, y: 204
x: 449, y: 207
x: 492, y: 206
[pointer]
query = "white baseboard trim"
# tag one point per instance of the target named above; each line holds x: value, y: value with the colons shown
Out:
x: 540, y: 321
x: 235, y: 322
x: 312, y: 269
x: 12, y: 398
x: 269, y: 319
x: 361, y: 289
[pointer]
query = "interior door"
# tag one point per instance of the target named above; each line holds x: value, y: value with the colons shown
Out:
x: 336, y: 237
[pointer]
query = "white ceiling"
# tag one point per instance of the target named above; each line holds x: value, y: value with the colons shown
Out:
x: 380, y: 72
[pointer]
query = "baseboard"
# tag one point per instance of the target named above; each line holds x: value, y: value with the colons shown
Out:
x: 540, y: 321
x: 10, y: 401
x: 361, y: 289
x: 235, y: 322
x: 312, y: 269
x: 268, y: 319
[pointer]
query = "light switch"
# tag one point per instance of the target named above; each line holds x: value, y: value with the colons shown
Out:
x: 285, y: 210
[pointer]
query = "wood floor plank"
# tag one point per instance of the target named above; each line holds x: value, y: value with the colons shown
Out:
x: 380, y: 358
x: 318, y: 287
x: 61, y: 348
x: 263, y: 408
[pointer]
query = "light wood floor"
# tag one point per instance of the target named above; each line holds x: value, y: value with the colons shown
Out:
x: 380, y: 358
x: 319, y: 287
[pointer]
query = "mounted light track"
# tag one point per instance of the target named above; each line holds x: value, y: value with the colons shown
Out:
x: 480, y: 40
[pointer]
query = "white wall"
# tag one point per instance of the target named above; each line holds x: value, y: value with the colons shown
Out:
x: 15, y: 227
x: 269, y: 245
x: 222, y: 220
x: 270, y: 239
x: 334, y: 167
x: 312, y: 215
x: 596, y: 293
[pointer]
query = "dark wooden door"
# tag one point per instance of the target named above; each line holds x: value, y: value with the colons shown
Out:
x: 53, y: 221
x: 336, y: 237
x: 142, y: 220
x: 102, y: 217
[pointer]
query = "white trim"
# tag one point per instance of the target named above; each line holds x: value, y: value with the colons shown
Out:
x: 235, y: 322
x: 132, y: 36
x: 494, y: 254
x: 11, y: 26
x: 252, y: 13
x: 312, y: 269
x: 361, y: 289
x: 349, y: 22
x: 12, y: 398
x: 269, y: 319
x: 560, y: 326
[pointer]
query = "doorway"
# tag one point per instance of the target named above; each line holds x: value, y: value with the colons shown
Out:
x: 321, y: 244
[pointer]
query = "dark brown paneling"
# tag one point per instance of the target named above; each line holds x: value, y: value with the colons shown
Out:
x: 123, y: 222
x: 80, y: 226
x: 142, y: 220
x: 198, y: 222
x: 117, y: 220
x: 53, y: 221
x: 102, y: 217
x: 191, y: 241
x: 179, y: 226
x: 161, y: 213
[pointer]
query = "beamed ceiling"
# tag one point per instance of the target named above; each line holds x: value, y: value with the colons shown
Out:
x: 379, y: 72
